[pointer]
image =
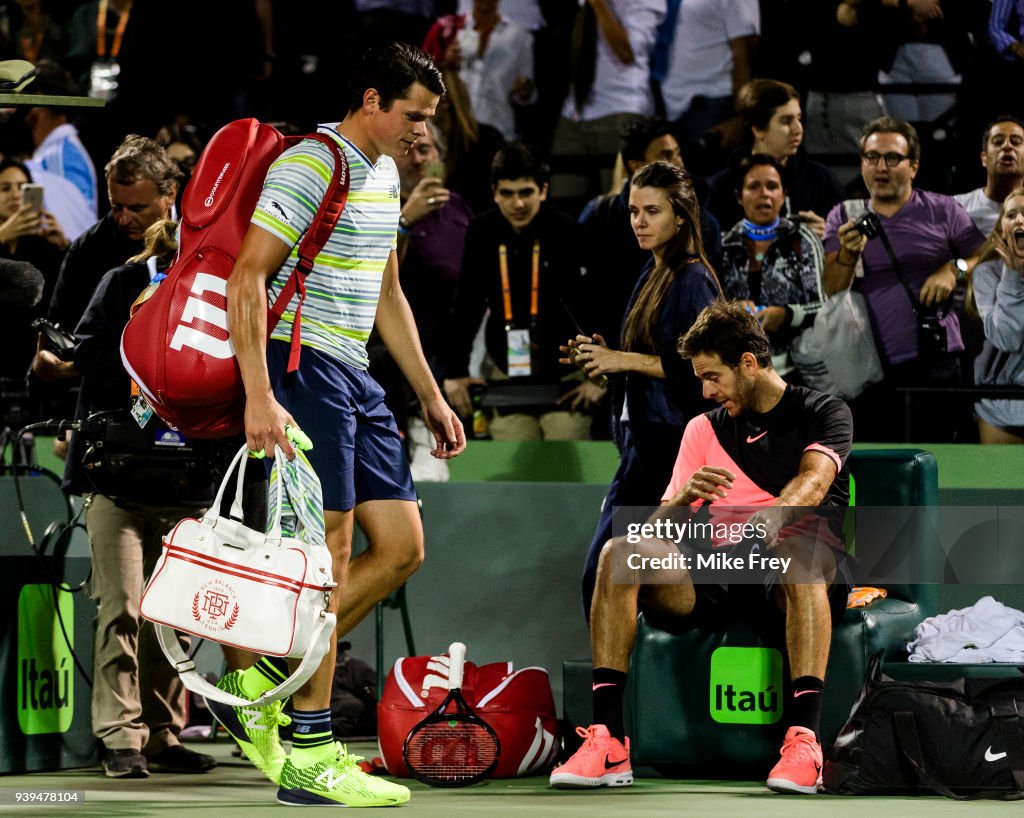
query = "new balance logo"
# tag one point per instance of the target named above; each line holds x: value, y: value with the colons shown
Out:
x: 253, y: 717
x: 990, y: 756
x: 329, y: 778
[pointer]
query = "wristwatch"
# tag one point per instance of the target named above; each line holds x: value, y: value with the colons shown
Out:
x: 960, y: 268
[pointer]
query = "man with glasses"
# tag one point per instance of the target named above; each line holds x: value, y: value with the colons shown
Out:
x: 908, y: 292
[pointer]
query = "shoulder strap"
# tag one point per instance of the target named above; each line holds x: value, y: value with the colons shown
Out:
x: 190, y: 677
x: 316, y: 237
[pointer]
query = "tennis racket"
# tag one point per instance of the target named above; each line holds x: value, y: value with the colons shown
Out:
x: 452, y: 747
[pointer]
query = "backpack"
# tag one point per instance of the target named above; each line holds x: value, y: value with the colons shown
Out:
x: 353, y: 696
x: 517, y: 704
x: 962, y: 739
x: 176, y: 346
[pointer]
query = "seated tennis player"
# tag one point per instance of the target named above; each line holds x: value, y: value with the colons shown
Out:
x: 767, y: 444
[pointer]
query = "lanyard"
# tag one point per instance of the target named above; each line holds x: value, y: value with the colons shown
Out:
x: 506, y: 290
x: 101, y: 31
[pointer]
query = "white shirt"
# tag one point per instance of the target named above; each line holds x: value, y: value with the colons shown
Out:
x: 700, y: 59
x: 983, y: 211
x: 489, y: 79
x: 65, y: 201
x: 524, y: 13
x: 619, y: 88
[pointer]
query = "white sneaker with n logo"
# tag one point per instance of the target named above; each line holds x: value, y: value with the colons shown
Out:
x: 337, y: 781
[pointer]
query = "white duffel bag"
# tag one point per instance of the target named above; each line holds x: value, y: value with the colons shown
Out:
x: 264, y: 592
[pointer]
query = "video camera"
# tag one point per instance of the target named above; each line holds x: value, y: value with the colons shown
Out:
x: 154, y: 464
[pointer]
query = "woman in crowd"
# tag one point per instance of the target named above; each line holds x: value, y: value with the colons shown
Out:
x: 33, y: 236
x: 771, y: 116
x: 998, y: 292
x: 654, y: 391
x: 770, y: 263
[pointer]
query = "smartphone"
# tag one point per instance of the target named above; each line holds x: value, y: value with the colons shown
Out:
x: 32, y: 195
x: 435, y: 169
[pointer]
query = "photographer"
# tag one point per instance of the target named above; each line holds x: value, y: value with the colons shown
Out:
x: 908, y: 290
x: 137, y: 479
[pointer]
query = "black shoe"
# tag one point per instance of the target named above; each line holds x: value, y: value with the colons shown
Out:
x: 180, y: 759
x: 124, y: 764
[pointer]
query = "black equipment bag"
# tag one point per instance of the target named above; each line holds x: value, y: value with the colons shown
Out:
x: 962, y: 739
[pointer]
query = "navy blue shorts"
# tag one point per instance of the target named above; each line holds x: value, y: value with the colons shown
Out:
x: 357, y: 452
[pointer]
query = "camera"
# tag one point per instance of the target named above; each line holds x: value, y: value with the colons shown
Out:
x: 867, y: 224
x: 931, y: 338
x: 58, y: 340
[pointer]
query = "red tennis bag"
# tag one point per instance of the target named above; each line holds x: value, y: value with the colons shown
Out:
x: 517, y: 704
x: 176, y: 346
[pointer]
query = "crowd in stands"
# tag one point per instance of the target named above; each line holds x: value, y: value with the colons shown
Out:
x: 781, y: 112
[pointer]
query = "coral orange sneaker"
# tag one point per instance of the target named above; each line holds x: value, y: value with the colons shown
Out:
x: 602, y: 761
x: 799, y: 769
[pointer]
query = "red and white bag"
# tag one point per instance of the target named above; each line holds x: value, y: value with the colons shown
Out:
x: 517, y: 704
x: 267, y: 593
x: 176, y: 346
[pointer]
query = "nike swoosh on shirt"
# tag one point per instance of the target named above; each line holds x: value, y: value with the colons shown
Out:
x: 755, y: 439
x: 990, y: 756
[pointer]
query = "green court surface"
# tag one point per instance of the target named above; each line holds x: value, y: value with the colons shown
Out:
x: 236, y: 789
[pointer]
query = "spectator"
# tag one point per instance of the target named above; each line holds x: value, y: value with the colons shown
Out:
x: 654, y: 392
x: 1002, y: 156
x: 929, y: 48
x: 30, y: 32
x: 841, y: 92
x: 138, y: 701
x: 431, y: 235
x: 710, y: 57
x: 771, y: 117
x: 522, y: 260
x: 142, y: 184
x: 998, y: 287
x: 494, y: 57
x: 1007, y: 39
x: 932, y: 238
x: 32, y: 236
x: 609, y: 88
x: 59, y: 159
x: 618, y: 258
x: 771, y: 264
x: 471, y: 145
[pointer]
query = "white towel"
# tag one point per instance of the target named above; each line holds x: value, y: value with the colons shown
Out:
x: 987, y: 631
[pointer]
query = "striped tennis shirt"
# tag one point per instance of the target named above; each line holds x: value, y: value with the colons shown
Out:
x: 343, y: 288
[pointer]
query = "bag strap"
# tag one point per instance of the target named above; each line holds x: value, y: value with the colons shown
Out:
x: 910, y: 745
x: 319, y: 643
x: 898, y: 268
x: 236, y: 513
x: 315, y: 239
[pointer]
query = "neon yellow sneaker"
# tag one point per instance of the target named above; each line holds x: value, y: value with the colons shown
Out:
x: 254, y: 728
x: 337, y: 781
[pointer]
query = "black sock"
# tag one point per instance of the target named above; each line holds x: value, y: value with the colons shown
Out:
x: 805, y: 709
x: 609, y: 686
